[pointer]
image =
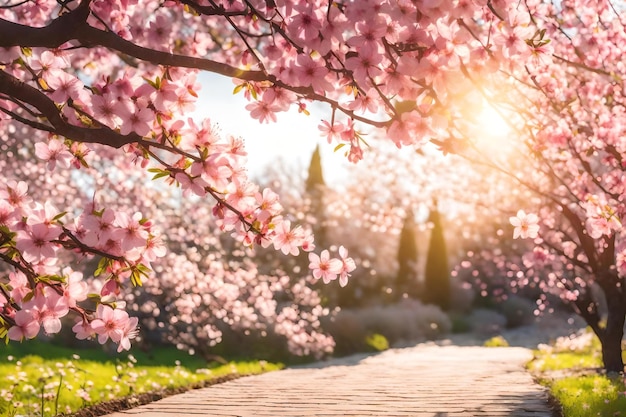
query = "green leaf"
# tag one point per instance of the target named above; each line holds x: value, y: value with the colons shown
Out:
x: 82, y: 161
x: 161, y: 175
x: 28, y: 297
x: 190, y: 10
x: 102, y: 266
x: 238, y: 88
x: 135, y: 278
x: 341, y: 145
x: 56, y: 278
x: 58, y: 216
x: 4, y: 329
x: 152, y: 83
x: 143, y: 270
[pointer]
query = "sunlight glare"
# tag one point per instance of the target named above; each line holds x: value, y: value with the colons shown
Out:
x: 492, y: 130
x: 492, y: 122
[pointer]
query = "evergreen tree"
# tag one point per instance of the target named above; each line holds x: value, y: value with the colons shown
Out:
x: 406, y: 279
x: 437, y: 274
x: 314, y: 188
x: 315, y: 180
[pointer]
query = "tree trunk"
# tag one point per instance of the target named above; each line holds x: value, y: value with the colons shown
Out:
x: 611, y: 336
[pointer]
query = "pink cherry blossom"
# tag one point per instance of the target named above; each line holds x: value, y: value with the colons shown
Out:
x: 37, y: 243
x: 264, y: 112
x: 26, y: 326
x: 104, y: 110
x: 134, y: 119
x: 288, y: 240
x: 312, y: 73
x: 76, y: 290
x: 83, y: 330
x: 8, y: 214
x: 348, y: 265
x: 305, y: 23
x: 54, y: 152
x: 331, y: 132
x: 51, y: 307
x: 111, y: 324
x: 48, y: 65
x: 15, y: 193
x: 324, y: 267
x: 65, y: 86
x: 19, y: 286
x: 129, y: 332
x: 525, y: 225
x: 130, y: 231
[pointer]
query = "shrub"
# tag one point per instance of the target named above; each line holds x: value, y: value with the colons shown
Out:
x: 462, y: 295
x: 487, y: 322
x: 460, y: 323
x: 349, y: 333
x: 496, y: 341
x: 518, y: 311
x: 409, y: 321
x: 377, y: 342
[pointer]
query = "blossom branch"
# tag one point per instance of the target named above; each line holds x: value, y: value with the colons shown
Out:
x: 25, y: 93
x: 77, y: 244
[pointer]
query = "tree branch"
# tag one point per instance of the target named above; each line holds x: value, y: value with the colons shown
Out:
x: 73, y: 26
x: 25, y: 93
x: 60, y: 30
x: 586, y: 242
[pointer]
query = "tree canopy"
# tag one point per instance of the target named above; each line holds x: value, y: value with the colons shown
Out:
x: 94, y: 83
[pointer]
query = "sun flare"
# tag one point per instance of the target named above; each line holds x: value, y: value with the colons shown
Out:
x: 492, y: 122
x: 492, y: 132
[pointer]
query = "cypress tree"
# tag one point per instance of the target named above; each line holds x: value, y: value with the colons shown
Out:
x: 406, y: 279
x: 315, y: 180
x: 437, y: 274
x: 314, y: 188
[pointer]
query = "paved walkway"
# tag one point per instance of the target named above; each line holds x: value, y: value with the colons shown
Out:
x: 422, y: 381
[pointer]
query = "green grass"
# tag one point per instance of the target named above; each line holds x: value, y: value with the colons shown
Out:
x: 50, y: 351
x: 571, y: 374
x: 590, y: 395
x: 566, y: 361
x: 36, y: 372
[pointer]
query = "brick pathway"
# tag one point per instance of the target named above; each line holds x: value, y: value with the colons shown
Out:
x: 422, y: 381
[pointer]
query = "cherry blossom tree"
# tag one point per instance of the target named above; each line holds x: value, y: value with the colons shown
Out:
x: 95, y: 77
x: 571, y: 159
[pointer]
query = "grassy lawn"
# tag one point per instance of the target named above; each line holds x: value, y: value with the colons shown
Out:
x: 36, y: 376
x: 571, y: 370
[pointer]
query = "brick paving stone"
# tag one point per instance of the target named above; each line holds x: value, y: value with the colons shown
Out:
x: 422, y: 381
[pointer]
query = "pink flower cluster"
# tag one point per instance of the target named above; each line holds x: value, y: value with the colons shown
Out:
x: 191, y: 155
x: 40, y: 292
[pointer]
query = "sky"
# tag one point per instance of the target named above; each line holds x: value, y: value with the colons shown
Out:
x: 293, y: 137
